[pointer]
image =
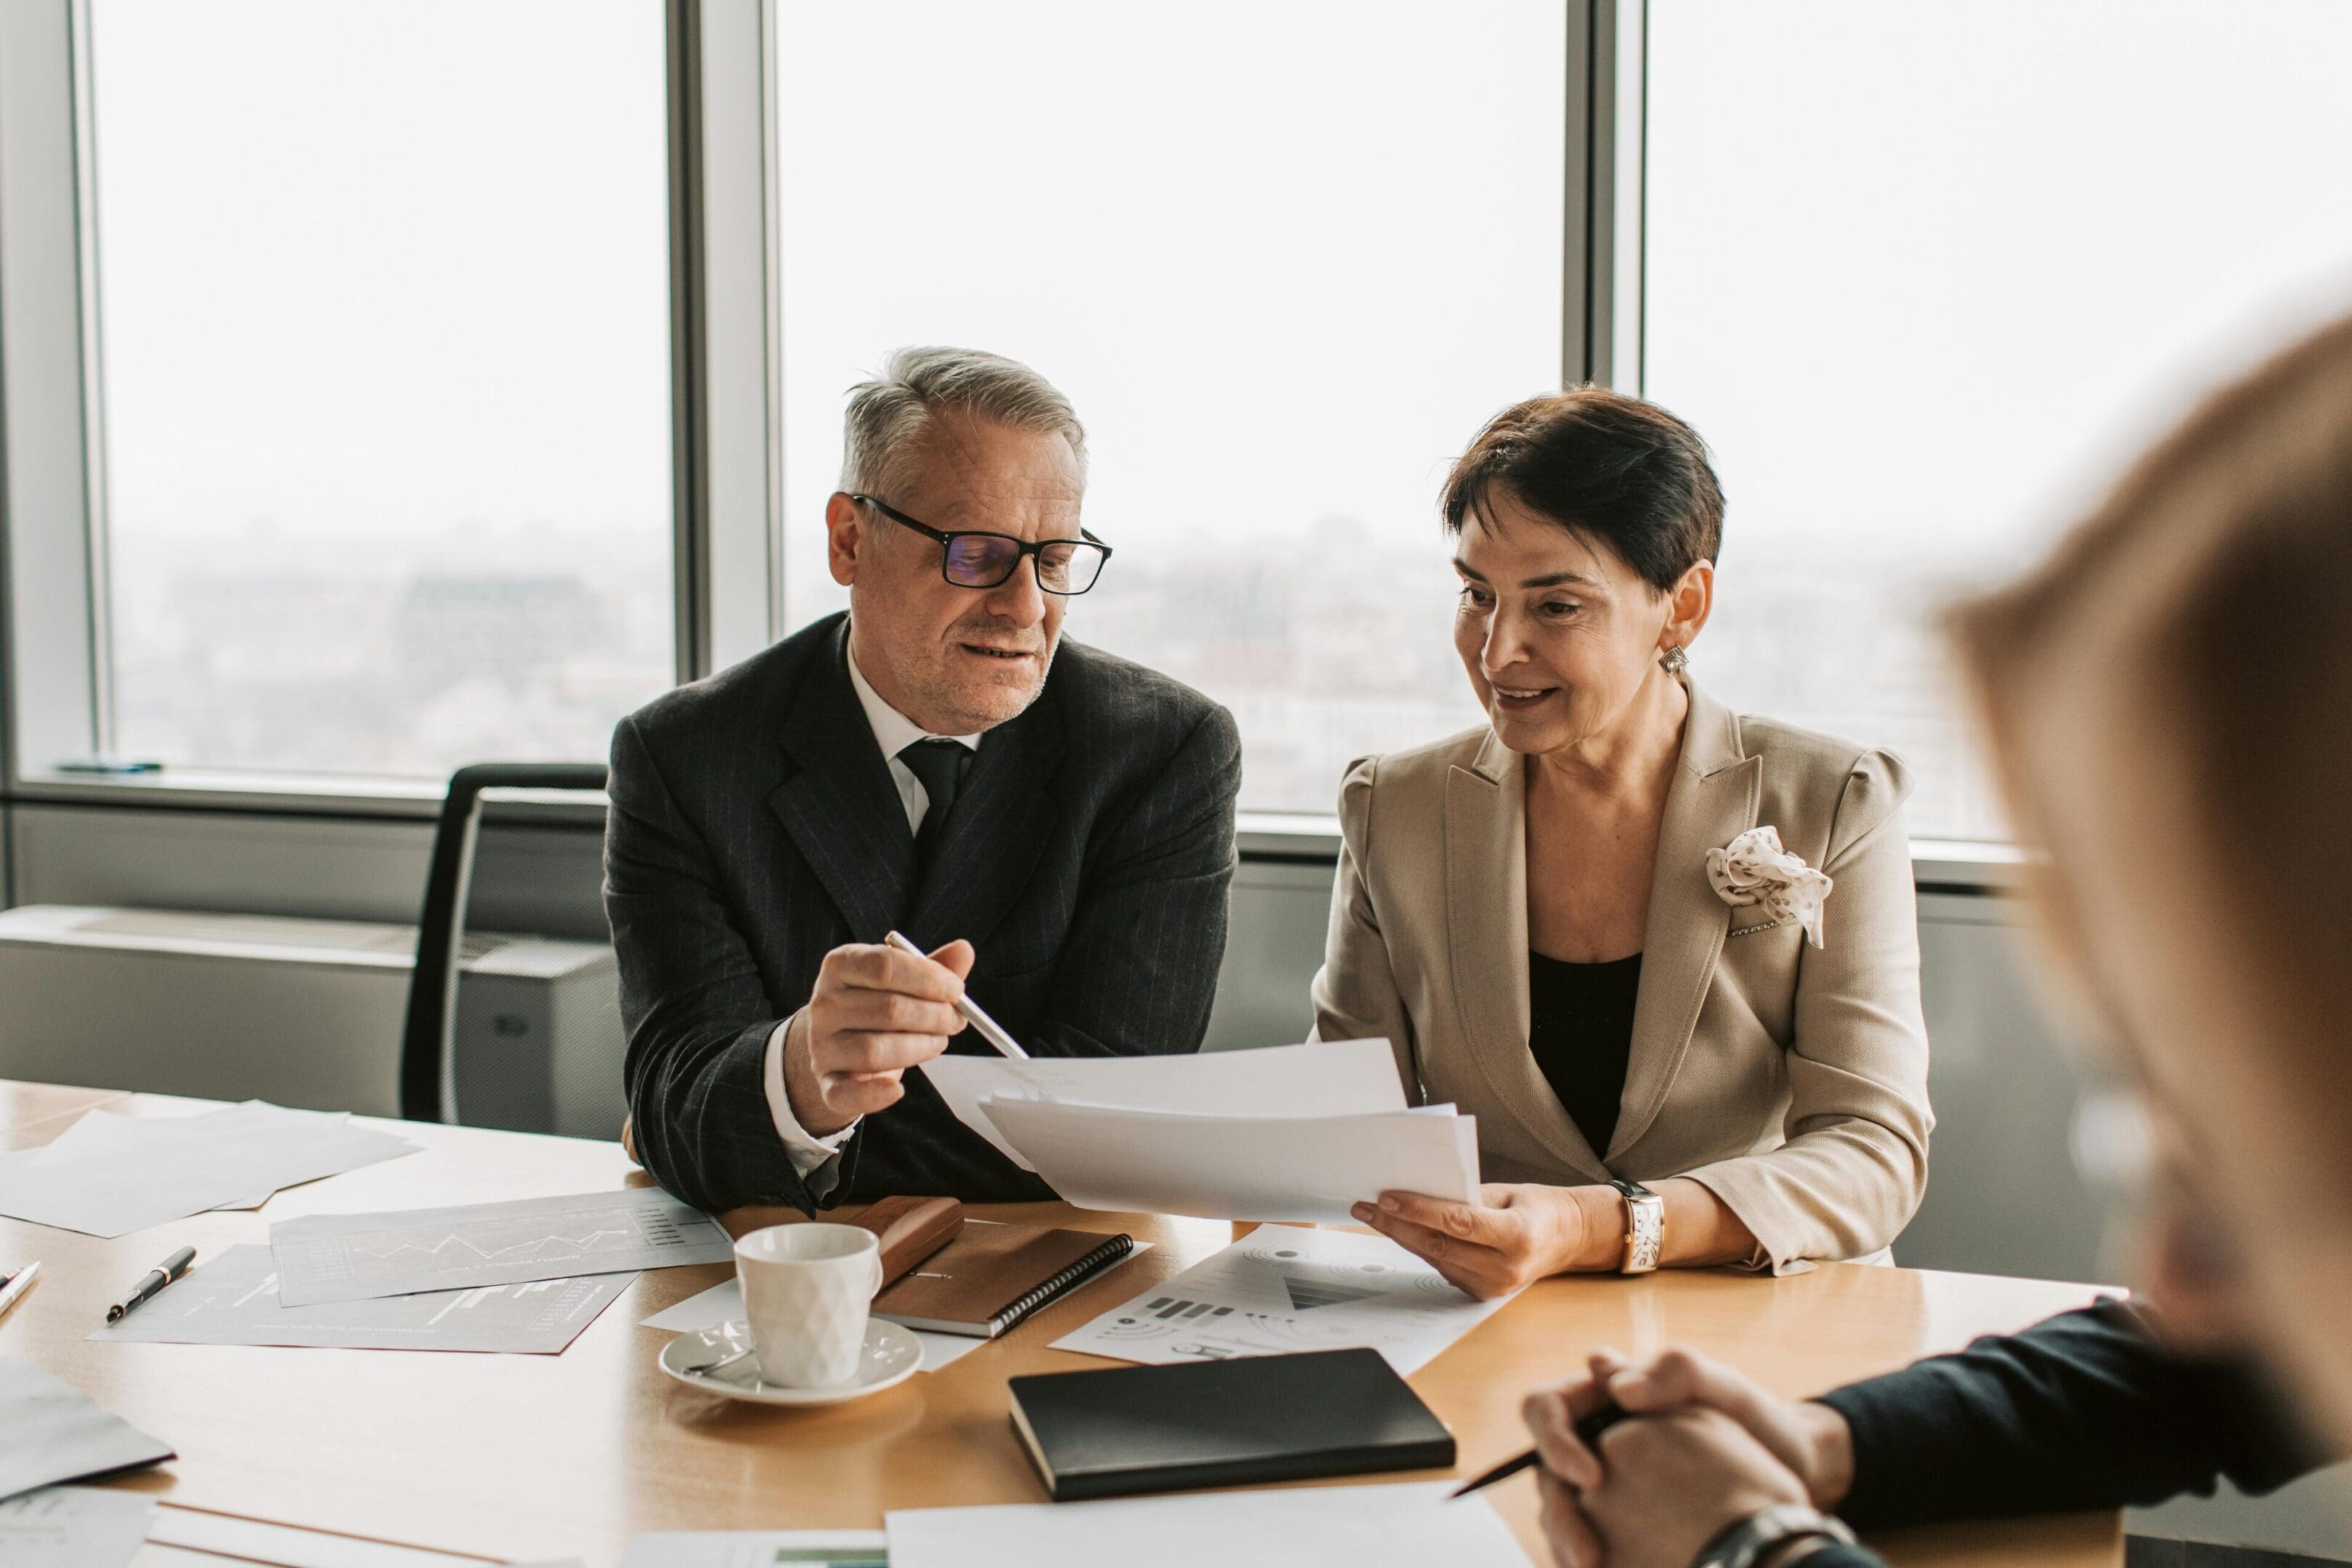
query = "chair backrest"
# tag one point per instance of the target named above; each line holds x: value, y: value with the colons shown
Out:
x: 427, y: 1050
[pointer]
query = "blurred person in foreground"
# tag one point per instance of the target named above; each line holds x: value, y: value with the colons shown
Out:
x: 2169, y: 702
x: 1667, y: 953
x: 1053, y: 825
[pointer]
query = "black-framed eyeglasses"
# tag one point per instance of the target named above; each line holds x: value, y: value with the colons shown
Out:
x: 968, y: 559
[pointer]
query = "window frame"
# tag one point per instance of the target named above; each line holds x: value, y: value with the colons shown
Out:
x: 53, y: 583
x: 727, y: 428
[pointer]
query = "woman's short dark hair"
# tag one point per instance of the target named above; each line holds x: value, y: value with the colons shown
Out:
x: 1611, y: 468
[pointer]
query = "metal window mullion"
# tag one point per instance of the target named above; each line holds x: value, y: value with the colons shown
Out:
x: 96, y: 553
x: 55, y: 597
x: 1607, y: 49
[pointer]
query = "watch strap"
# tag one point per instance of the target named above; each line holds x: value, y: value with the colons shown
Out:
x: 1744, y: 1542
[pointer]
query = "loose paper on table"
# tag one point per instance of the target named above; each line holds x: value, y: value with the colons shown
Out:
x: 757, y: 1548
x: 73, y: 1527
x: 1323, y: 1077
x: 1282, y: 1289
x: 723, y: 1303
x: 1345, y: 1527
x: 51, y: 1431
x: 356, y: 1256
x: 231, y: 1300
x: 108, y: 1175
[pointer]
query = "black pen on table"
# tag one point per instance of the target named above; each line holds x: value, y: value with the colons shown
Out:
x: 155, y: 1279
x: 1588, y: 1430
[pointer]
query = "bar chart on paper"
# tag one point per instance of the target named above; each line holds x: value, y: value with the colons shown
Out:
x: 352, y: 1257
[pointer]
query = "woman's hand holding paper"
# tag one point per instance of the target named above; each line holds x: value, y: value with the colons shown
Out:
x: 1514, y: 1235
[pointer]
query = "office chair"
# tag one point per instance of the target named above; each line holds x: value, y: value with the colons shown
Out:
x: 427, y: 1044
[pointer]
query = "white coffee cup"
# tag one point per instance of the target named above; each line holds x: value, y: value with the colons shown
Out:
x: 807, y: 1290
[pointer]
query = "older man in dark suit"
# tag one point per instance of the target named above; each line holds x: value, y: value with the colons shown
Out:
x: 1054, y: 826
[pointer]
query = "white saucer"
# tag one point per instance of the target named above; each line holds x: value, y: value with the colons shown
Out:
x: 891, y: 1356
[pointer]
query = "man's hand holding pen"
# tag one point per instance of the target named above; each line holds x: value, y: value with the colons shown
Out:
x: 876, y: 1012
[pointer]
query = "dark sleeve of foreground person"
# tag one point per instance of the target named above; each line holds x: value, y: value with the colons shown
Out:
x: 2083, y: 1411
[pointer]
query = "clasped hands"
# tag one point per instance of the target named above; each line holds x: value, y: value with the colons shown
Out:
x: 875, y: 1013
x: 1708, y: 1447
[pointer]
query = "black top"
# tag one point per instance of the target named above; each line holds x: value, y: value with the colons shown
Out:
x: 754, y: 829
x: 1581, y: 1032
x: 2083, y: 1411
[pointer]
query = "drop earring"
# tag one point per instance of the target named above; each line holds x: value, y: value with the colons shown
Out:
x: 1673, y: 661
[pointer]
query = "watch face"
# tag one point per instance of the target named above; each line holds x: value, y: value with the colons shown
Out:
x: 1646, y: 1232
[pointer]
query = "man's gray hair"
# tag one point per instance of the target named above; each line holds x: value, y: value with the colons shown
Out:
x: 889, y: 415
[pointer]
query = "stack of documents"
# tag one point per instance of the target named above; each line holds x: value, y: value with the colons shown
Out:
x: 1293, y: 1132
x: 108, y: 1175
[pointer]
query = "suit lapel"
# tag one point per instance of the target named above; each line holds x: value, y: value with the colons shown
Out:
x: 996, y: 832
x: 1487, y: 925
x: 839, y: 804
x: 1713, y: 798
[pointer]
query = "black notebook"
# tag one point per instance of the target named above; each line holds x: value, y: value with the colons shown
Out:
x: 1223, y: 1423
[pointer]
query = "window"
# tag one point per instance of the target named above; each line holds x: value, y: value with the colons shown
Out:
x: 1285, y: 260
x: 1925, y: 275
x: 384, y: 315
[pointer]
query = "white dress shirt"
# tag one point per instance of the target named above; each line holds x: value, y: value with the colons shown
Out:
x: 893, y: 732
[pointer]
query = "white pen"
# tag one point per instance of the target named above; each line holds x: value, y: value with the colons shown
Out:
x: 15, y: 1285
x: 990, y: 1030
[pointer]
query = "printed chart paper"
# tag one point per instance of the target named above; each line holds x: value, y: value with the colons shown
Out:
x: 1345, y: 1527
x: 1282, y: 1289
x: 73, y: 1527
x: 359, y: 1257
x: 231, y: 1300
x: 757, y: 1548
x: 723, y: 1303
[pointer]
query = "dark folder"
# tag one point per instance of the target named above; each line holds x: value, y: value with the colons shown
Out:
x: 1223, y: 1423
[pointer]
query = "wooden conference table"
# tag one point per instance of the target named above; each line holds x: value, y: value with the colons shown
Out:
x: 526, y: 1458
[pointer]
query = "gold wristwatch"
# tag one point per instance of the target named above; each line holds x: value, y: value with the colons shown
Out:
x: 1645, y: 1226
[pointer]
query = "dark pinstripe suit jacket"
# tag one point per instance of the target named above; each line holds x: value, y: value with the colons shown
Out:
x: 754, y: 827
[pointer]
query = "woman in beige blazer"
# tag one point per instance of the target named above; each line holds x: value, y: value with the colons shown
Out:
x: 1572, y: 925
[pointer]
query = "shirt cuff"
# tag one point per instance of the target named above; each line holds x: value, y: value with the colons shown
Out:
x: 806, y: 1149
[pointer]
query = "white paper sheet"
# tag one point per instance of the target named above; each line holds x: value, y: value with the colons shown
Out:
x: 1326, y: 1078
x: 108, y: 1175
x: 1283, y: 1288
x: 1243, y: 1167
x: 189, y: 1538
x: 73, y: 1527
x: 723, y: 1303
x: 757, y: 1548
x: 356, y: 1256
x: 1302, y: 1527
x: 51, y: 1431
x: 231, y: 1300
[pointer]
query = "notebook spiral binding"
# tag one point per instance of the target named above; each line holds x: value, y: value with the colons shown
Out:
x: 1112, y: 1249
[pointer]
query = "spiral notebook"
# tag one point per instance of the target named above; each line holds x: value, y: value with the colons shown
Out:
x: 993, y: 1275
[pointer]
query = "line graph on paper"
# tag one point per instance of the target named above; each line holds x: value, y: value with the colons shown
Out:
x: 349, y: 1258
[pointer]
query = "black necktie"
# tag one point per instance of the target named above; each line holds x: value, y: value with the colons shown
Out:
x: 939, y: 766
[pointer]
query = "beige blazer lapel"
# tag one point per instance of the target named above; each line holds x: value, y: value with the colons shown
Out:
x: 1713, y: 798
x: 1486, y: 927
